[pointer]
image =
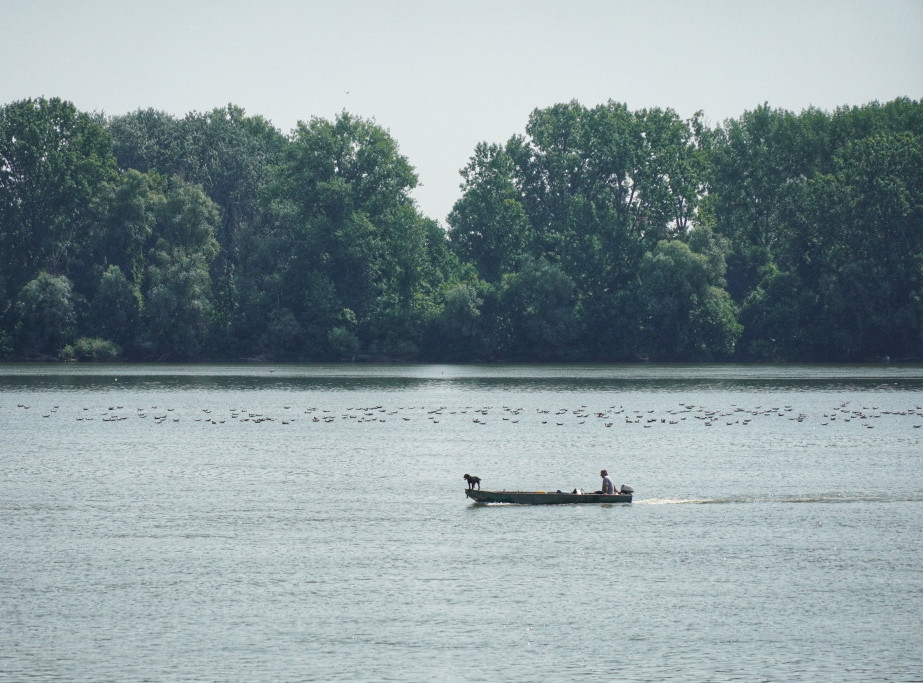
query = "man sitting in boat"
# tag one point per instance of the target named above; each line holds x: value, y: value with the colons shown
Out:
x: 608, y: 488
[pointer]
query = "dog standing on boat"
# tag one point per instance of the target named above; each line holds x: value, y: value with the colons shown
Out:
x: 472, y: 481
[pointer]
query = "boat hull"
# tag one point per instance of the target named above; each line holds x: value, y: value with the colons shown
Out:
x: 543, y: 498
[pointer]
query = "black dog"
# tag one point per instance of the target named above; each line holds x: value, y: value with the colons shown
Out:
x: 472, y: 481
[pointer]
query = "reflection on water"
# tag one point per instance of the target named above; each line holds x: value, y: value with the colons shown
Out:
x: 397, y: 377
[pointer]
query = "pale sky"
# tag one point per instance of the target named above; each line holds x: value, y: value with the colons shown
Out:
x: 443, y: 76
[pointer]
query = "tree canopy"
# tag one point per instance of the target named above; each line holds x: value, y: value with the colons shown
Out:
x: 597, y: 234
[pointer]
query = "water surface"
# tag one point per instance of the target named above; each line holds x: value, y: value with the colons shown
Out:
x: 273, y: 523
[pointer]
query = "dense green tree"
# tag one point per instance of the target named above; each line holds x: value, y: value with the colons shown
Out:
x: 538, y: 303
x: 157, y: 247
x: 685, y: 315
x: 56, y: 166
x: 348, y: 238
x: 607, y: 172
x: 778, y: 319
x: 178, y: 307
x: 758, y: 161
x: 47, y: 315
x: 600, y: 234
x: 854, y: 239
x: 147, y: 140
x: 457, y: 329
x: 343, y: 343
x: 130, y: 228
x: 92, y: 349
x: 752, y: 163
x: 227, y: 153
x: 115, y: 309
x: 849, y: 124
x: 489, y: 226
x: 178, y: 292
x: 588, y: 190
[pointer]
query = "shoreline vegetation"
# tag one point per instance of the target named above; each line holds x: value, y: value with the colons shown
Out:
x: 599, y: 234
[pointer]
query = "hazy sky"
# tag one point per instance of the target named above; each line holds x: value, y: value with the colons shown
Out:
x: 442, y: 76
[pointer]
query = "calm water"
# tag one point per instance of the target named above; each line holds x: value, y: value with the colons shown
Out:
x: 283, y: 523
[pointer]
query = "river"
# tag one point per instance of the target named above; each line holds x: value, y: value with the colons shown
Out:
x: 308, y: 522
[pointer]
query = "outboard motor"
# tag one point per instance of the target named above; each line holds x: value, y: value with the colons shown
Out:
x: 626, y: 489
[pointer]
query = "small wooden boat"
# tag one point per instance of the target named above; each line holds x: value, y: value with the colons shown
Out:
x: 545, y: 498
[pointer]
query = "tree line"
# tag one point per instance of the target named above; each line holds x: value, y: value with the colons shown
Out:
x: 600, y: 234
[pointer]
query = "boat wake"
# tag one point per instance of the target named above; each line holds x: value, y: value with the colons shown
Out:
x: 783, y: 499
x: 672, y: 501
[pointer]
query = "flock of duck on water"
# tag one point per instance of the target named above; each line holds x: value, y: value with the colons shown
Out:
x: 735, y: 415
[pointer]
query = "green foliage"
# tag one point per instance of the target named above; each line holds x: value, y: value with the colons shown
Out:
x: 46, y: 313
x: 178, y: 306
x: 539, y: 304
x: 115, y: 309
x: 588, y: 191
x: 777, y: 320
x: 6, y: 345
x: 92, y: 349
x: 854, y: 241
x: 131, y: 225
x: 283, y: 336
x: 599, y: 234
x: 489, y: 226
x: 456, y: 326
x: 56, y: 166
x: 350, y: 237
x: 159, y: 240
x: 344, y: 344
x: 230, y: 156
x: 685, y: 316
